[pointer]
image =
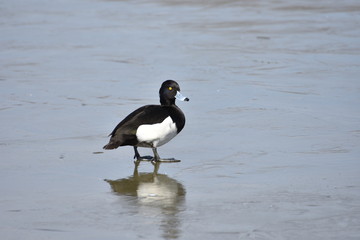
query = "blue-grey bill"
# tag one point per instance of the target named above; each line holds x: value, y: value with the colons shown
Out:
x: 180, y: 97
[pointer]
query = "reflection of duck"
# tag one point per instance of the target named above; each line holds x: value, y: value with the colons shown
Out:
x: 153, y: 194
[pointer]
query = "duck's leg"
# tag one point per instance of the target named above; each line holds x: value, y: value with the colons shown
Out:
x: 156, y: 155
x: 158, y: 159
x: 137, y: 155
x: 140, y: 158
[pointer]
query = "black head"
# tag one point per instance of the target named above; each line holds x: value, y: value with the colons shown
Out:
x: 169, y: 91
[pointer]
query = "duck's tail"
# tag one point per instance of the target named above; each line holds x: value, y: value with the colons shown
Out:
x: 110, y: 146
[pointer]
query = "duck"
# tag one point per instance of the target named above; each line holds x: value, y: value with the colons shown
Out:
x: 151, y: 126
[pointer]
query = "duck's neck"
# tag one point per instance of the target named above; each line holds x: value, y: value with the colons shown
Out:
x: 167, y: 102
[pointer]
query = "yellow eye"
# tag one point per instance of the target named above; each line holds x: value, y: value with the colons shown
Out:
x: 170, y: 88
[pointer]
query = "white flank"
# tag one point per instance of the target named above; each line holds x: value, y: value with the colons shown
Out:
x: 158, y: 134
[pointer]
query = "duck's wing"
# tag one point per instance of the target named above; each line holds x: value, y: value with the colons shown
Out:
x: 125, y: 132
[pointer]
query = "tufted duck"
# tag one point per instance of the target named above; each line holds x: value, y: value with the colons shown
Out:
x: 152, y: 125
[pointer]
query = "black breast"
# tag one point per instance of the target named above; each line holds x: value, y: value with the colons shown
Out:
x: 177, y: 116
